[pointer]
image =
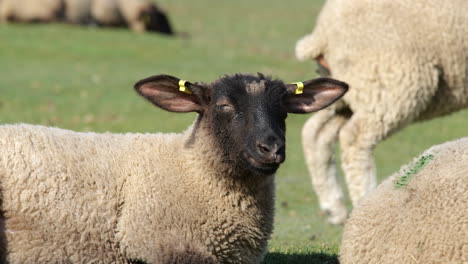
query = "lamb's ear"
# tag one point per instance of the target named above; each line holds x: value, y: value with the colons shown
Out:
x: 313, y: 95
x: 170, y: 93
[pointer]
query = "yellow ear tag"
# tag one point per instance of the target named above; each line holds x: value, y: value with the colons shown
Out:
x: 300, y: 87
x: 182, y: 87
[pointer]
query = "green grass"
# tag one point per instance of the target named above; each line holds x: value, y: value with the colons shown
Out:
x: 81, y: 78
x: 323, y: 255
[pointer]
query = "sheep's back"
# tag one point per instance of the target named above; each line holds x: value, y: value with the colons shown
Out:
x: 130, y: 8
x: 403, y: 26
x: 31, y: 10
x: 107, y: 12
x: 396, y: 49
x: 419, y: 220
x: 60, y: 194
x: 78, y: 11
x: 97, y: 198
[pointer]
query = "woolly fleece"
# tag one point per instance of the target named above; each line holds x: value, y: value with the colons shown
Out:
x: 105, y: 198
x: 422, y: 222
x: 131, y: 11
x: 30, y: 10
x: 106, y: 12
x: 405, y: 61
x: 78, y: 11
x: 121, y: 12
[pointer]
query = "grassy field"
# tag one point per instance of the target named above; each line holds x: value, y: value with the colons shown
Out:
x: 81, y: 78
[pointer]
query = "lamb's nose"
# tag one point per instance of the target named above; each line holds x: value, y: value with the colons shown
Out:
x: 271, y: 153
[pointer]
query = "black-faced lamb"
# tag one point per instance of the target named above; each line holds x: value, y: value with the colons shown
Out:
x: 418, y: 215
x: 205, y: 195
x: 405, y: 61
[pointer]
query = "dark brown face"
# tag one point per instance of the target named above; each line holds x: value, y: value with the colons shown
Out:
x: 245, y: 114
x: 156, y: 20
x: 248, y: 119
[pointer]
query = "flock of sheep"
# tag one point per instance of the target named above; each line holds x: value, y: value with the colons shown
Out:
x: 206, y: 195
x: 139, y: 15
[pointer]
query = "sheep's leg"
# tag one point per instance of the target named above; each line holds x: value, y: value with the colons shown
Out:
x: 319, y: 134
x: 357, y: 141
x: 387, y: 114
x: 5, y: 14
x: 137, y: 26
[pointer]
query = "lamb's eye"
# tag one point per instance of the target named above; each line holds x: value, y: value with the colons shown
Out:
x: 226, y: 108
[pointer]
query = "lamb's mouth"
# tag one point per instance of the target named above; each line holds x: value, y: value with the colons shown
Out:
x: 261, y: 167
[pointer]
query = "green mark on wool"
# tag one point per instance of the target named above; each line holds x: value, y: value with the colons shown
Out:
x: 412, y: 170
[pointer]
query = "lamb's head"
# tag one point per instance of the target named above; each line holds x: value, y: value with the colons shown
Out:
x: 245, y: 114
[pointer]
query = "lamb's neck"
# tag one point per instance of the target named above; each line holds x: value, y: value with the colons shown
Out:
x: 207, y: 161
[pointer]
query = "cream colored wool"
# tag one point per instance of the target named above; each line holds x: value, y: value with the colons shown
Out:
x: 115, y: 189
x: 78, y: 11
x: 107, y: 12
x: 120, y: 12
x: 422, y: 222
x: 102, y: 12
x: 30, y: 10
x: 131, y: 12
x: 405, y: 61
x: 205, y: 195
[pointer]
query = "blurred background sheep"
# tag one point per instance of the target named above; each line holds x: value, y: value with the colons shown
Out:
x: 78, y: 11
x: 142, y: 15
x: 31, y: 10
x: 405, y: 61
x: 139, y: 15
x: 107, y: 13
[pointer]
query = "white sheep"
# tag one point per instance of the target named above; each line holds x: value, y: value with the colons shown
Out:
x: 139, y: 15
x: 405, y: 61
x: 107, y: 13
x: 418, y: 215
x: 205, y: 195
x: 78, y: 11
x: 31, y: 11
